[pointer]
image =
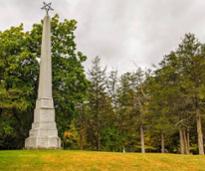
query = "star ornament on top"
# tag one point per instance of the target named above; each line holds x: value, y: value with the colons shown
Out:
x: 47, y: 7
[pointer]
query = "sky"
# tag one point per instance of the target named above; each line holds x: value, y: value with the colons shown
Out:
x: 125, y: 33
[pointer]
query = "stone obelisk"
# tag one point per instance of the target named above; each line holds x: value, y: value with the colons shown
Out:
x: 44, y: 133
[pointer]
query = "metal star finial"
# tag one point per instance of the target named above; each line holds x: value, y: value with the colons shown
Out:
x: 47, y: 7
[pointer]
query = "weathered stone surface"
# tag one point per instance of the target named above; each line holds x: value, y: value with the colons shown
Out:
x: 44, y: 133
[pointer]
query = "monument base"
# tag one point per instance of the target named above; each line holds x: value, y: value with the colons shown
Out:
x: 43, y: 143
x: 44, y: 134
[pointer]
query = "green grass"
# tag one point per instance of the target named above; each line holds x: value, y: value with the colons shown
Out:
x: 60, y: 160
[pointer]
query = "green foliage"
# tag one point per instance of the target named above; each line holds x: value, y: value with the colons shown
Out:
x: 19, y: 76
x: 18, y: 69
x: 100, y: 115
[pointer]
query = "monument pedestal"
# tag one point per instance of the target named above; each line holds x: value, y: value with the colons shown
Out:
x: 44, y: 133
x: 37, y: 142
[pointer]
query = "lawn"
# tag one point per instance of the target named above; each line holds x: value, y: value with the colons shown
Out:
x: 60, y: 160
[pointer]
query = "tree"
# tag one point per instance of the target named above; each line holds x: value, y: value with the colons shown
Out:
x: 160, y: 117
x: 18, y: 87
x: 140, y: 101
x: 112, y: 86
x: 192, y: 60
x: 18, y: 75
x: 100, y: 104
x: 180, y: 83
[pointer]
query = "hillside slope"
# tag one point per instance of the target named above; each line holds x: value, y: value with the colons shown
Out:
x: 59, y: 160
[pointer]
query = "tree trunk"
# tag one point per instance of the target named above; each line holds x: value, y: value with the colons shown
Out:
x: 185, y: 141
x: 181, y: 141
x: 81, y: 139
x: 162, y: 143
x: 199, y: 132
x: 142, y: 139
x: 123, y: 149
x: 98, y: 142
x: 188, y: 141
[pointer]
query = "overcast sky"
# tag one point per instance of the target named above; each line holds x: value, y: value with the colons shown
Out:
x: 124, y: 33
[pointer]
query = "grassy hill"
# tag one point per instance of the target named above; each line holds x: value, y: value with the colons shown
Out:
x: 59, y: 160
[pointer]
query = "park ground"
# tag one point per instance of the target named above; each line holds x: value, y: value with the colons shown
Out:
x: 63, y: 160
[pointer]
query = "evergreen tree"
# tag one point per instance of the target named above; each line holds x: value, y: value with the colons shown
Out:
x: 100, y: 104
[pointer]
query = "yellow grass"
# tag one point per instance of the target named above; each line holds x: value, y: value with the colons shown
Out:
x: 59, y: 160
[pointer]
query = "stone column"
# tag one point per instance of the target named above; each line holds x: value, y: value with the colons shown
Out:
x: 44, y: 133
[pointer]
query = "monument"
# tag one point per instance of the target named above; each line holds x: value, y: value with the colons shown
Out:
x: 44, y: 133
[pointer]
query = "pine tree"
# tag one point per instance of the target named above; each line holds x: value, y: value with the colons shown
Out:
x: 100, y: 104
